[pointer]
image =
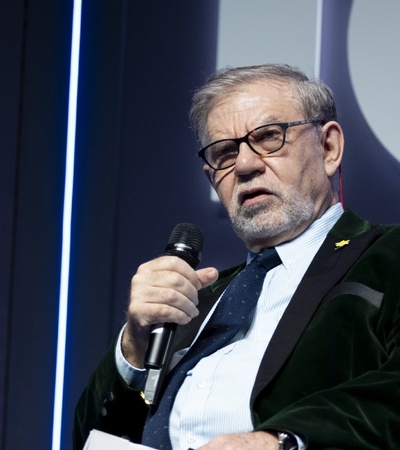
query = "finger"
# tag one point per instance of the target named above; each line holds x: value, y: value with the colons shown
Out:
x: 165, y: 300
x: 207, y: 276
x: 172, y: 263
x: 155, y: 286
x: 175, y: 302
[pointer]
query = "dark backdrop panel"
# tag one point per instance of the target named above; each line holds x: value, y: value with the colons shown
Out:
x: 10, y: 52
x: 35, y: 48
x: 371, y: 174
x: 137, y: 174
x: 136, y: 177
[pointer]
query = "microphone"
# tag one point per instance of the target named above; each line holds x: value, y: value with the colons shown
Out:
x: 185, y: 242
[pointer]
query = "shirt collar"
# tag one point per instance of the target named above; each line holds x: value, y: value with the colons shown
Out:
x: 311, y: 239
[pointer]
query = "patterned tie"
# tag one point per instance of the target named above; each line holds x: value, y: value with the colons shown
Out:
x: 236, y: 305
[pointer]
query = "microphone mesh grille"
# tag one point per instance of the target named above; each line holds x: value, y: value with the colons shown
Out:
x: 186, y: 242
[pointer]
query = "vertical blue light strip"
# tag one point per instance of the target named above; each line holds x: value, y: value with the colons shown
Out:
x: 66, y: 231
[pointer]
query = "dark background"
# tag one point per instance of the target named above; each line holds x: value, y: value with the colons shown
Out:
x: 136, y: 177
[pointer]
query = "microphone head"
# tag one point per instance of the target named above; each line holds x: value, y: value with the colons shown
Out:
x: 186, y: 242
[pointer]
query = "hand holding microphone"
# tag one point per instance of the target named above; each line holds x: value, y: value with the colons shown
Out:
x: 164, y: 290
x: 185, y: 242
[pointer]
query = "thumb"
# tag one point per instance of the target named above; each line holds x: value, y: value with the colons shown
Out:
x: 207, y: 276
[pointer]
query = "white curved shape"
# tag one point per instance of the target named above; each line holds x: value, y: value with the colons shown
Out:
x: 374, y: 64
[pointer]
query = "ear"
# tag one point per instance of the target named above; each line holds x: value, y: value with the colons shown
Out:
x: 333, y: 146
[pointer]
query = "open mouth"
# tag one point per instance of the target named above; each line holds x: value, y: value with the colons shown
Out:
x: 251, y: 197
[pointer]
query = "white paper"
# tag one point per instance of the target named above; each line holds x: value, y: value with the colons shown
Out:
x: 98, y: 440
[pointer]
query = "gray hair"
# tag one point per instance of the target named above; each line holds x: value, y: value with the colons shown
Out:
x: 314, y: 98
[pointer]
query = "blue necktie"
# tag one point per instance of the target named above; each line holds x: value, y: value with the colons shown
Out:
x: 236, y: 304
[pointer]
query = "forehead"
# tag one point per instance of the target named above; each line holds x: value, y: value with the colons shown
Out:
x: 250, y: 105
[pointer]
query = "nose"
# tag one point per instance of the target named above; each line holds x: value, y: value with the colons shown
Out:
x: 248, y: 161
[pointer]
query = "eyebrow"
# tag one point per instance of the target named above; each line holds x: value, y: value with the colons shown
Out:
x: 268, y: 120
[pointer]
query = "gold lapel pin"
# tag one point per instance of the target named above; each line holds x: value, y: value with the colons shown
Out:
x: 341, y: 244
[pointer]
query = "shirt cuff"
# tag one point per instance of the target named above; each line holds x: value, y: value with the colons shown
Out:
x: 133, y: 377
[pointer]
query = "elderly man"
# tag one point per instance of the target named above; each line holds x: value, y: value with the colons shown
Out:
x: 316, y: 362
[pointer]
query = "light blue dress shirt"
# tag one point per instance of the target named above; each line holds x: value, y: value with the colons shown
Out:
x: 214, y: 398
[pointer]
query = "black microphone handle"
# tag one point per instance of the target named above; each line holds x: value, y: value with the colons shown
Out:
x: 160, y: 345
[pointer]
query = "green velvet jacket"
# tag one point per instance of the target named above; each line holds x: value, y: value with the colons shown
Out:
x: 331, y: 372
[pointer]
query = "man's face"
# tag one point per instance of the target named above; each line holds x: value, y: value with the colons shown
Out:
x: 270, y: 199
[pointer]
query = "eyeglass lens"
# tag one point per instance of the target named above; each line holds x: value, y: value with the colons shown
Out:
x: 263, y: 140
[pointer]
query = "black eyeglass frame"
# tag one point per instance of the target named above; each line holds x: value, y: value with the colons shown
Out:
x: 283, y: 125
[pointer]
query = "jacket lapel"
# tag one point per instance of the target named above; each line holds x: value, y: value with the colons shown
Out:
x: 345, y: 243
x: 327, y: 269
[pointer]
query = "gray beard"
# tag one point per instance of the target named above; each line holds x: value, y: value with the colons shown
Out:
x: 263, y: 221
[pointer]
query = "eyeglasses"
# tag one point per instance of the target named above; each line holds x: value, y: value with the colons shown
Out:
x: 263, y: 141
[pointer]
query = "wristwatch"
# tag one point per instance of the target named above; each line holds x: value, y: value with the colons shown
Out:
x: 286, y: 441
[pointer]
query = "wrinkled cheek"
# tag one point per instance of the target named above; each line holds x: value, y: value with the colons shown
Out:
x: 233, y: 209
x: 227, y: 199
x: 224, y: 199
